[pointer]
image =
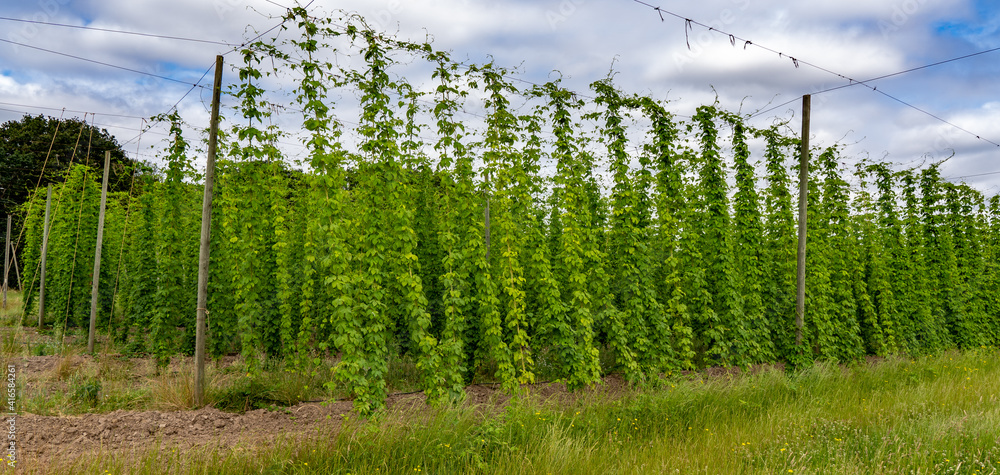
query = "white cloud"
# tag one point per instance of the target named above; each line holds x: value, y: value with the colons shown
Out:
x: 580, y: 39
x: 11, y: 89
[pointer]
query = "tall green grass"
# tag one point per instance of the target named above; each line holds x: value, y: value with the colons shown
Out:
x: 12, y: 313
x: 935, y: 414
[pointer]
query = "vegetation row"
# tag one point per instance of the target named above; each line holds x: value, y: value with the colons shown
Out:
x: 485, y: 228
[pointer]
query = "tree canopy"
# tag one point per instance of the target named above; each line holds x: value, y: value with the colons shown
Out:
x: 25, y: 160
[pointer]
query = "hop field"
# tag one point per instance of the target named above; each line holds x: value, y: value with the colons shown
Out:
x: 934, y: 414
x: 553, y: 233
x: 588, y: 242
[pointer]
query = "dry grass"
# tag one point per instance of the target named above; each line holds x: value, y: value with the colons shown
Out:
x: 929, y: 415
x: 172, y: 392
x: 110, y: 368
x: 68, y: 364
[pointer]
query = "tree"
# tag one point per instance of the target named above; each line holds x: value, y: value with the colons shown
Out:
x: 25, y: 160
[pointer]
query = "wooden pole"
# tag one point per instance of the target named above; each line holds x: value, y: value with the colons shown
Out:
x: 45, y: 253
x: 17, y: 270
x: 800, y: 281
x: 96, y: 278
x: 6, y: 262
x: 206, y: 234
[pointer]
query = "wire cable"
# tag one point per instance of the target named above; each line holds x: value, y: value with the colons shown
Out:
x: 108, y: 30
x: 193, y: 86
x: 66, y: 110
x: 918, y: 68
x: 96, y: 62
x: 733, y: 39
x: 971, y: 176
x: 905, y: 71
x: 283, y: 20
x: 938, y: 118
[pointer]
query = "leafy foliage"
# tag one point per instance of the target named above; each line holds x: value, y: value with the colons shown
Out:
x: 549, y: 236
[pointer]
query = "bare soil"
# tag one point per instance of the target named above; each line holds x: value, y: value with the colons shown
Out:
x: 66, y: 437
x: 47, y: 438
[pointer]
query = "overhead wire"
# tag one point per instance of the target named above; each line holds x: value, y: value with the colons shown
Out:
x: 283, y: 20
x: 212, y: 66
x: 971, y: 176
x: 276, y: 4
x: 124, y: 68
x: 910, y: 70
x: 205, y: 74
x: 884, y: 76
x: 193, y: 87
x: 940, y: 119
x: 102, y: 63
x: 109, y: 114
x: 734, y: 39
x: 659, y: 10
x: 796, y: 62
x: 109, y: 30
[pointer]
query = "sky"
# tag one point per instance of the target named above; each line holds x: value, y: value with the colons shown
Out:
x: 655, y: 53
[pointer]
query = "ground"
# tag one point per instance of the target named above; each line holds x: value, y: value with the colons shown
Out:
x: 66, y: 437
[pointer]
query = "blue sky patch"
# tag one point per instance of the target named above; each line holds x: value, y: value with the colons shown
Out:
x: 983, y: 30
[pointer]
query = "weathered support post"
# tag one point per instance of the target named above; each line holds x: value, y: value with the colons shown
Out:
x: 6, y: 261
x: 800, y: 281
x: 206, y: 234
x: 96, y: 278
x: 45, y: 253
x: 17, y: 270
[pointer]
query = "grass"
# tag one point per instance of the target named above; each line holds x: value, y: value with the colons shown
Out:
x: 937, y: 414
x: 934, y: 414
x: 76, y: 383
x: 81, y: 384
